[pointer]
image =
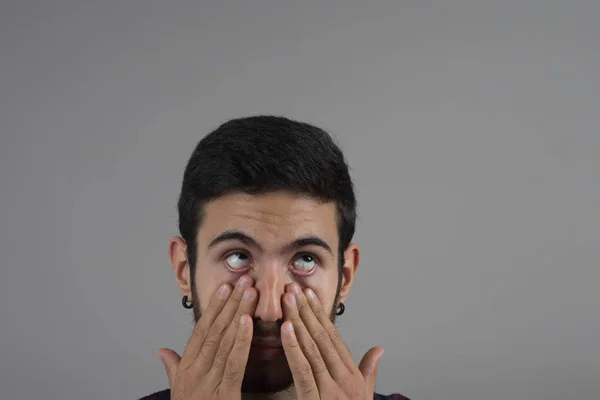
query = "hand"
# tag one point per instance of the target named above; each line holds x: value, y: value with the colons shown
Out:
x: 214, y: 361
x: 320, y: 361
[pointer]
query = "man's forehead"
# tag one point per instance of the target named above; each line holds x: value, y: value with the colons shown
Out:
x: 282, y: 215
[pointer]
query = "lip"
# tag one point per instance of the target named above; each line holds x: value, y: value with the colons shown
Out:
x: 266, y: 342
x: 265, y: 353
x: 266, y: 348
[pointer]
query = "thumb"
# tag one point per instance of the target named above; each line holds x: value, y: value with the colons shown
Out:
x: 369, y: 366
x: 170, y: 360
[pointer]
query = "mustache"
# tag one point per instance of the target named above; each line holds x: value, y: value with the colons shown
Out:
x: 266, y: 329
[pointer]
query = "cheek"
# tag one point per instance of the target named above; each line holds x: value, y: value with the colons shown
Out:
x: 208, y: 281
x: 324, y: 284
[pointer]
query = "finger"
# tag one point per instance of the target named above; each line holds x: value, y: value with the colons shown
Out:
x: 217, y: 302
x: 302, y: 373
x: 221, y: 323
x: 235, y: 367
x: 307, y: 344
x: 334, y: 334
x: 170, y: 360
x: 247, y: 306
x: 369, y: 365
x: 320, y: 335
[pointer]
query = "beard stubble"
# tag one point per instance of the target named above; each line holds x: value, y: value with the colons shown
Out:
x: 264, y: 376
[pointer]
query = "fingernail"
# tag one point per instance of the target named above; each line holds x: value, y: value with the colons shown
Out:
x: 223, y: 290
x: 291, y: 300
x: 289, y: 327
x: 311, y: 296
x: 295, y: 289
x: 243, y: 320
x: 243, y: 283
x: 248, y: 295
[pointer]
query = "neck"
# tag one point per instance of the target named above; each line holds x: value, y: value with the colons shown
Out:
x: 286, y: 394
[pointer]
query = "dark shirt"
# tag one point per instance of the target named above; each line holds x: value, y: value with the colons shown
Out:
x: 166, y: 395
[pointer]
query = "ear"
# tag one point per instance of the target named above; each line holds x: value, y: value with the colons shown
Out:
x: 351, y: 262
x: 180, y: 265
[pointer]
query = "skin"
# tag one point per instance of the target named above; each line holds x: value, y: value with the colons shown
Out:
x: 250, y: 236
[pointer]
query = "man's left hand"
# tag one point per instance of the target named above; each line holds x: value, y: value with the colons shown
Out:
x: 320, y: 361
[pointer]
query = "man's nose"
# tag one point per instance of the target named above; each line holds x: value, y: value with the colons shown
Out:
x: 270, y: 283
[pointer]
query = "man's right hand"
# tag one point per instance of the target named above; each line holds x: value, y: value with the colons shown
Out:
x: 214, y: 361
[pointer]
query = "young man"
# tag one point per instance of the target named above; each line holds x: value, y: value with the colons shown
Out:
x: 266, y: 215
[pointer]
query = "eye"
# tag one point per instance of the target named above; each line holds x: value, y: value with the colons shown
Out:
x: 305, y: 263
x: 237, y: 260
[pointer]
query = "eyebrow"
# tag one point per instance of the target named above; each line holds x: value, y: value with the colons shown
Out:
x: 238, y: 236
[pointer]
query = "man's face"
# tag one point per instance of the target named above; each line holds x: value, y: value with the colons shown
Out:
x: 276, y: 238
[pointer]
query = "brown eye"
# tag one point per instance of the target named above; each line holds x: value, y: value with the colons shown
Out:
x: 237, y: 260
x: 305, y: 263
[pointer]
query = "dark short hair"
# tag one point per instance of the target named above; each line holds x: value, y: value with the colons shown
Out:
x: 262, y: 154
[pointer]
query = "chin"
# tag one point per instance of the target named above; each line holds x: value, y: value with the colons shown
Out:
x: 267, y: 376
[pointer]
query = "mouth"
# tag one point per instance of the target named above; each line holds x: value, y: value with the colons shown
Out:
x: 265, y: 348
x: 271, y: 341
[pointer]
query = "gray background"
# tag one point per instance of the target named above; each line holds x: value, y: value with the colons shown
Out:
x: 471, y: 127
